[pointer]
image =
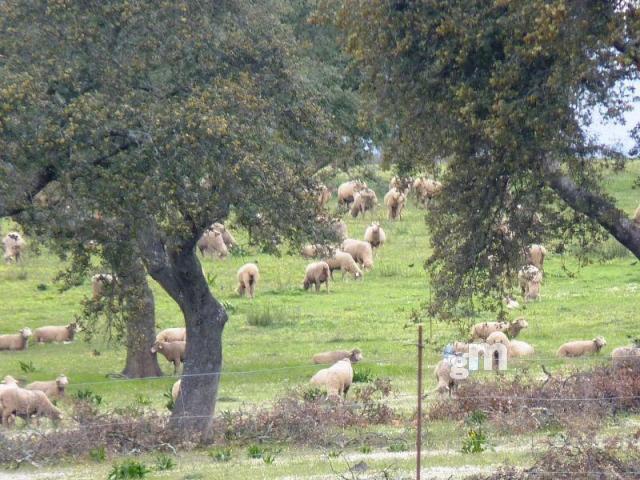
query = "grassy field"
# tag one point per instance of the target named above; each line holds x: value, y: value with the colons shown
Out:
x: 263, y: 362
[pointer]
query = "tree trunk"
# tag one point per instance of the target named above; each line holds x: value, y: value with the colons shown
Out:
x: 139, y: 311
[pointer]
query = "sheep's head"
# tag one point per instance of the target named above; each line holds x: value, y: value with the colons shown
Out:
x: 375, y: 226
x: 26, y: 332
x: 520, y: 324
x: 62, y: 381
x: 356, y: 355
x: 9, y: 380
x: 157, y: 347
x: 14, y: 236
x: 600, y: 342
x: 73, y: 327
x: 358, y: 274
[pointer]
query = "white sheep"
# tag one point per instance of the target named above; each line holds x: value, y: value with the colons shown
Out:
x: 17, y: 341
x: 53, y: 389
x: 309, y: 251
x: 578, y: 348
x: 248, y: 276
x: 56, y: 333
x: 316, y: 274
x: 535, y: 256
x: 14, y: 246
x: 347, y: 191
x: 324, y: 195
x: 530, y: 278
x: 426, y: 190
x: 345, y: 263
x: 626, y: 357
x: 353, y: 356
x: 518, y: 348
x: 175, y: 390
x: 364, y: 201
x: 175, y: 334
x: 394, y: 200
x: 361, y: 252
x: 484, y: 329
x: 374, y: 234
x: 442, y: 372
x: 227, y: 238
x: 336, y: 379
x: 340, y: 229
x: 99, y: 282
x: 26, y: 403
x: 172, y: 351
x: 212, y: 243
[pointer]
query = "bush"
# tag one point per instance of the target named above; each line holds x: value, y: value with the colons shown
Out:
x: 363, y: 375
x: 266, y: 316
x: 27, y: 367
x: 98, y: 454
x: 128, y: 469
x: 220, y: 454
x: 164, y: 462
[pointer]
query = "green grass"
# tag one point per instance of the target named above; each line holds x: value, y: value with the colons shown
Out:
x: 269, y: 341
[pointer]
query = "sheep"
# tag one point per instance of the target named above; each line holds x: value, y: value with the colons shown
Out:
x: 446, y: 383
x: 212, y: 243
x: 626, y: 357
x: 26, y: 403
x: 9, y: 380
x: 498, y: 337
x: 345, y: 263
x: 515, y: 327
x: 53, y: 389
x: 316, y: 274
x: 175, y: 390
x: 578, y: 348
x: 364, y: 201
x: 340, y: 229
x: 17, y: 341
x: 227, y: 238
x: 354, y: 356
x: 530, y: 278
x: 360, y: 251
x: 56, y: 333
x: 535, y: 256
x: 636, y: 217
x: 324, y: 195
x: 99, y: 282
x: 248, y: 276
x: 176, y: 334
x: 347, y: 191
x: 394, y: 201
x: 403, y: 184
x: 172, y: 351
x: 484, y: 329
x: 426, y: 190
x: 374, y: 234
x: 337, y: 378
x: 511, y: 303
x: 310, y: 251
x: 518, y: 348
x: 14, y: 246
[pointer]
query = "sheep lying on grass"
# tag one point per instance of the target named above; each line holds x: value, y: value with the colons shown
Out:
x: 374, y: 234
x: 512, y: 329
x: 394, y: 200
x: 530, y: 278
x: 172, y: 351
x: 174, y: 334
x: 518, y: 348
x: 345, y: 263
x: 332, y: 357
x: 56, y: 333
x: 316, y: 274
x: 212, y: 243
x: 53, y: 389
x: 348, y: 190
x: 14, y: 246
x: 17, y: 341
x: 248, y: 276
x: 25, y: 403
x: 99, y: 282
x: 361, y: 252
x: 336, y: 379
x: 578, y: 348
x: 626, y: 357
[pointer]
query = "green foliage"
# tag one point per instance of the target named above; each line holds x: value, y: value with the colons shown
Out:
x: 365, y: 449
x: 164, y: 462
x: 398, y: 447
x: 475, y: 442
x: 255, y: 451
x: 363, y: 375
x: 221, y: 454
x: 266, y: 316
x: 143, y: 400
x: 98, y: 455
x: 312, y: 393
x: 26, y: 367
x: 168, y: 395
x: 129, y: 469
x: 88, y: 396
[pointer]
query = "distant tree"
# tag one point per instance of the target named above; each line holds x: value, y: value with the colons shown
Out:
x: 503, y: 91
x: 165, y: 117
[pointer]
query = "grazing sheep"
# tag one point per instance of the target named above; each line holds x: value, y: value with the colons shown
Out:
x: 626, y: 357
x: 248, y: 276
x: 535, y: 256
x: 374, y: 234
x: 426, y: 190
x: 316, y: 274
x: 26, y: 403
x: 332, y: 357
x: 394, y: 201
x: 337, y: 378
x: 446, y: 383
x: 361, y: 252
x: 484, y: 329
x: 56, y: 333
x: 14, y: 246
x: 578, y: 348
x: 172, y: 351
x: 518, y: 348
x: 347, y: 191
x: 340, y: 228
x: 310, y: 251
x: 530, y: 278
x: 175, y: 390
x: 17, y: 341
x: 345, y: 263
x: 212, y: 243
x: 364, y: 201
x: 227, y: 238
x: 403, y: 184
x: 175, y: 334
x: 636, y: 216
x: 53, y: 389
x: 324, y: 195
x: 99, y: 282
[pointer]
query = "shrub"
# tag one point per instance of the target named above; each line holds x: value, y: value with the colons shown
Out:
x: 98, y: 454
x: 221, y: 454
x: 266, y: 316
x: 254, y: 451
x: 128, y: 469
x: 363, y: 375
x: 474, y: 442
x: 27, y: 367
x: 164, y: 462
x: 365, y: 449
x: 398, y: 447
x: 89, y: 397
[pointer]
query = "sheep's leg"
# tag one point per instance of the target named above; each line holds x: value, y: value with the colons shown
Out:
x: 317, y: 284
x: 345, y: 390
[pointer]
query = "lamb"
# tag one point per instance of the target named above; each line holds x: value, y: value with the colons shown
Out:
x: 26, y: 403
x: 56, y: 333
x: 374, y: 234
x: 337, y: 378
x: 530, y: 278
x: 316, y: 274
x: 172, y: 351
x: 626, y: 357
x: 347, y: 191
x: 177, y: 334
x: 446, y: 384
x: 17, y: 341
x: 354, y: 356
x: 227, y: 238
x: 324, y: 195
x: 99, y: 282
x: 212, y: 243
x: 394, y: 201
x: 360, y: 251
x: 518, y: 348
x: 175, y: 390
x: 364, y: 201
x: 578, y: 348
x: 14, y: 246
x: 345, y: 263
x: 535, y: 256
x: 53, y: 389
x: 248, y: 276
